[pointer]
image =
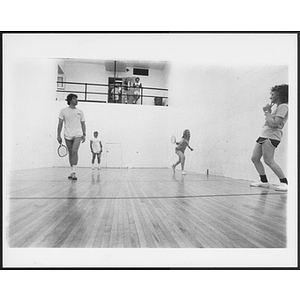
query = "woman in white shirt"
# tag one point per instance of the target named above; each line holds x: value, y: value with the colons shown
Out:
x: 271, y: 136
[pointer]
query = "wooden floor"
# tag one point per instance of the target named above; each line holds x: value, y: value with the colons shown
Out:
x: 141, y: 208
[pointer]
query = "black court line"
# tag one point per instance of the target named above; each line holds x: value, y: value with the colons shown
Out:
x: 124, y: 180
x: 150, y: 197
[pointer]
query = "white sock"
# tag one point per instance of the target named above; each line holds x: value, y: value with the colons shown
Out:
x: 74, y: 169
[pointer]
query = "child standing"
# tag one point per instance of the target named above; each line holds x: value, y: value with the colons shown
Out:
x: 179, y: 150
x: 96, y: 149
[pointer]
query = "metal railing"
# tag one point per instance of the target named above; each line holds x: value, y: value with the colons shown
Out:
x: 91, y: 92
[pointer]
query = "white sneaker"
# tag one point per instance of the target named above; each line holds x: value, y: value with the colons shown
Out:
x: 283, y: 187
x: 183, y: 173
x: 260, y: 184
x: 173, y: 167
x: 93, y: 168
x: 99, y: 168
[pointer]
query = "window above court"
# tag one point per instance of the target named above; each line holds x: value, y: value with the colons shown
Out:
x: 113, y: 82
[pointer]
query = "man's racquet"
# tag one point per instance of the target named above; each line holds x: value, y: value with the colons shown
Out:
x: 173, y: 139
x: 62, y: 150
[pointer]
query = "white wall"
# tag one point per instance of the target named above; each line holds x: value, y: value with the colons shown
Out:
x: 211, y: 91
x: 96, y: 73
x: 31, y: 115
x: 141, y: 131
x: 29, y: 104
x: 222, y: 106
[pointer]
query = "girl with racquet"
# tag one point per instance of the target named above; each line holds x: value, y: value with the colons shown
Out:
x: 179, y: 150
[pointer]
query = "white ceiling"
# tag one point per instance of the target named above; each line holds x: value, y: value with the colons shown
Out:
x: 157, y: 65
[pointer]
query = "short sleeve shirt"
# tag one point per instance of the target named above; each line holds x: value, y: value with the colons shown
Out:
x: 72, y: 118
x: 182, y: 145
x: 96, y: 145
x: 276, y: 133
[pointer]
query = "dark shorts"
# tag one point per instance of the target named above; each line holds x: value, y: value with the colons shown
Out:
x: 273, y: 142
x: 178, y: 150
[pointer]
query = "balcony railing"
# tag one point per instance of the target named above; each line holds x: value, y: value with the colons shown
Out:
x: 110, y: 93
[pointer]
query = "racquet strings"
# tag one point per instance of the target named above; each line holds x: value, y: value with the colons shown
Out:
x: 173, y: 139
x: 62, y: 150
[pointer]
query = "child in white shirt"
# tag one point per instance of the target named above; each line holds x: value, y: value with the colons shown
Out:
x: 96, y: 149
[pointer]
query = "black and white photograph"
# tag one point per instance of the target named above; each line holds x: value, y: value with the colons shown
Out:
x: 152, y: 150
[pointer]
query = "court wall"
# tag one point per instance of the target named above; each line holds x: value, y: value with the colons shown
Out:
x: 217, y: 87
x: 94, y: 72
x: 29, y: 109
x: 222, y: 106
x: 139, y: 131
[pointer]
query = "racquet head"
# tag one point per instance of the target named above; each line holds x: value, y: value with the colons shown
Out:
x: 173, y: 139
x: 62, y: 150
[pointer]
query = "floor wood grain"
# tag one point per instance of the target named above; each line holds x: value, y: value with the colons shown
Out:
x: 141, y: 208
